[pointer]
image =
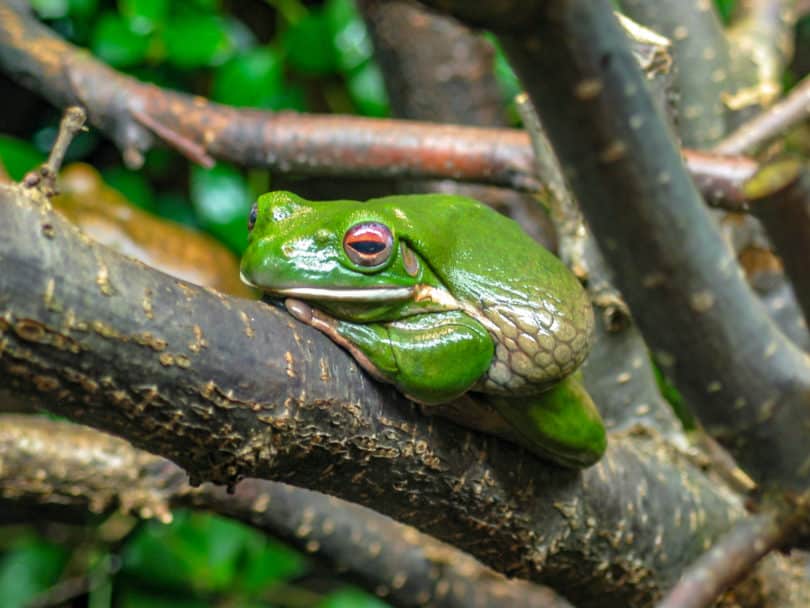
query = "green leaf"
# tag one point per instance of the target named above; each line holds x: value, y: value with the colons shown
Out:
x: 291, y: 11
x: 82, y: 8
x: 50, y: 9
x: 352, y: 44
x: 162, y: 163
x: 675, y: 399
x: 197, y: 551
x: 30, y: 569
x: 504, y: 74
x: 309, y: 45
x: 176, y: 207
x: 251, y: 79
x: 132, y: 184
x: 132, y: 597
x: 222, y: 201
x: 197, y: 41
x: 197, y: 6
x: 18, y: 156
x: 367, y: 89
x: 114, y: 42
x: 208, y: 554
x: 267, y: 562
x: 726, y: 9
x: 351, y: 598
x: 144, y: 16
x: 82, y: 145
x: 289, y: 97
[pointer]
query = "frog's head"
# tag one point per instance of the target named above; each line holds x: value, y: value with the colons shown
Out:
x: 345, y: 257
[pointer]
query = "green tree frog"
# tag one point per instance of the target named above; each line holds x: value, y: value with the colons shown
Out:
x: 439, y: 295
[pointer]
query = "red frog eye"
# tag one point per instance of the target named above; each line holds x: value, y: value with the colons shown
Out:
x: 368, y: 244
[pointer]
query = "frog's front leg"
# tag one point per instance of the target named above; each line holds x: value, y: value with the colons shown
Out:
x: 432, y: 358
x: 562, y: 424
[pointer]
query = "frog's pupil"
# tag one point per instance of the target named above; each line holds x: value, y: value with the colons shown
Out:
x: 368, y: 247
x: 368, y: 244
x: 252, y: 217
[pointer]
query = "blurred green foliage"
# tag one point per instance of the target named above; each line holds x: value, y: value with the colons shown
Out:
x: 275, y: 55
x: 197, y: 560
x: 726, y: 9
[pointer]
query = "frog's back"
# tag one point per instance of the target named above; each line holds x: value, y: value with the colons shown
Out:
x: 532, y: 305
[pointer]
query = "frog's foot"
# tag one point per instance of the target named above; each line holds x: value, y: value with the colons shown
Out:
x: 561, y: 424
x: 329, y: 326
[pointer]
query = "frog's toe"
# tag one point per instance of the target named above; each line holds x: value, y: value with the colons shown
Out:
x: 299, y: 309
x: 562, y: 424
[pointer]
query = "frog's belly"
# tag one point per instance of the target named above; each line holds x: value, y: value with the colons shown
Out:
x: 534, y: 348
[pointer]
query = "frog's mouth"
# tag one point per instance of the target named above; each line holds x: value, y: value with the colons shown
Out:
x: 369, y: 294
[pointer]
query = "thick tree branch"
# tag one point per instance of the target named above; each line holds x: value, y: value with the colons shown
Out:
x: 435, y: 68
x: 282, y: 141
x: 73, y: 470
x: 320, y: 145
x: 229, y: 388
x: 701, y: 55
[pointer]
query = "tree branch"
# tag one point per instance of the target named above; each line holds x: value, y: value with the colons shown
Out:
x: 701, y: 55
x: 73, y: 469
x: 771, y: 123
x: 230, y: 388
x: 762, y: 39
x: 735, y: 554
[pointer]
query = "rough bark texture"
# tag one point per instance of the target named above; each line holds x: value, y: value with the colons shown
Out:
x: 228, y: 388
x: 63, y: 471
x: 701, y: 58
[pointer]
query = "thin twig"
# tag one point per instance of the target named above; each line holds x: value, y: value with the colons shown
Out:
x: 563, y: 209
x: 43, y: 179
x: 720, y: 179
x: 187, y: 147
x: 774, y: 121
x: 736, y: 554
x: 576, y: 244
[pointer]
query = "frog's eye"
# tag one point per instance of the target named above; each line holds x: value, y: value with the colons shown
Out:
x: 368, y: 244
x: 254, y: 211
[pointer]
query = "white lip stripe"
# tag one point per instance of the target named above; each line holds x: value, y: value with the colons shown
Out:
x: 348, y: 295
x: 376, y: 294
x: 373, y: 294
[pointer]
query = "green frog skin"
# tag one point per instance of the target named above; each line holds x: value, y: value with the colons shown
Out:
x: 439, y: 295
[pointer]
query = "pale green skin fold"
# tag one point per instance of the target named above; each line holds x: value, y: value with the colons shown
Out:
x: 465, y: 302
